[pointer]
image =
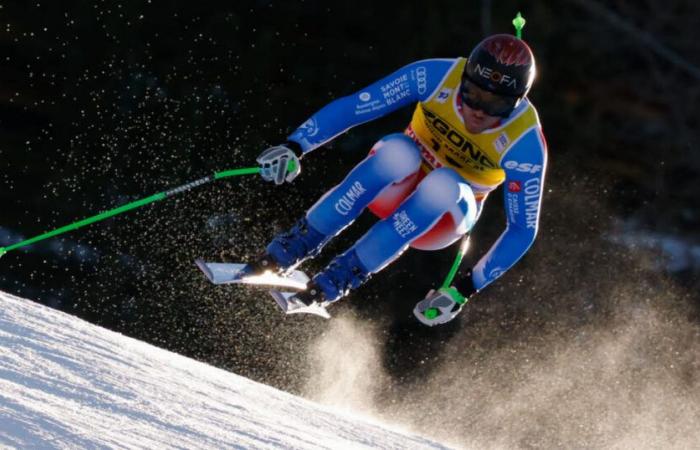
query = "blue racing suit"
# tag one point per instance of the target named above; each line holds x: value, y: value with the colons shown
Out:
x: 428, y: 184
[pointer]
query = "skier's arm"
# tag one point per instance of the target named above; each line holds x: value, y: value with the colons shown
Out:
x: 412, y: 83
x: 524, y: 164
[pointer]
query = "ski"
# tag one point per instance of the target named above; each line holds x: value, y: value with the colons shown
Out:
x: 227, y: 273
x: 290, y: 306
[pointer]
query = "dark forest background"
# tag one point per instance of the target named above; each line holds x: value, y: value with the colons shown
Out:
x: 106, y: 102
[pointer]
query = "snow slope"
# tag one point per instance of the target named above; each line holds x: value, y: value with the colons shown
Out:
x: 65, y: 383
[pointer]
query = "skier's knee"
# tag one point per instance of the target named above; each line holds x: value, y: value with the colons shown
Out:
x: 397, y: 156
x: 442, y: 188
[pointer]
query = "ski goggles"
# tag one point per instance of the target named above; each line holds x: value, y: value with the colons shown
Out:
x: 492, y: 104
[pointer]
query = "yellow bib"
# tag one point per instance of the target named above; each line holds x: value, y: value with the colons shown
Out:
x: 438, y: 127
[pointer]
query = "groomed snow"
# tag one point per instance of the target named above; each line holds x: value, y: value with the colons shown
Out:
x: 65, y: 383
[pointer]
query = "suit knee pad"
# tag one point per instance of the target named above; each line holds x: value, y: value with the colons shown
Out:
x: 396, y: 156
x: 442, y: 189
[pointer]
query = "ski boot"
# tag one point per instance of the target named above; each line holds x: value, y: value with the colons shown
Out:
x: 345, y: 272
x: 286, y: 251
x: 259, y: 265
x: 291, y: 248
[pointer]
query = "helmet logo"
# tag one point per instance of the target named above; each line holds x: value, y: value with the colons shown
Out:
x: 508, y: 51
x: 495, y: 76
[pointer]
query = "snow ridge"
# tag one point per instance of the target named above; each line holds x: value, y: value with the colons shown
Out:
x: 65, y: 383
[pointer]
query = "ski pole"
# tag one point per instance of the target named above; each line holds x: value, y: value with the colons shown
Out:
x: 519, y: 24
x: 432, y: 313
x: 457, y: 262
x: 132, y: 205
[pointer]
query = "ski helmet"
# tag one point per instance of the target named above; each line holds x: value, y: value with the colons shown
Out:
x: 501, y: 64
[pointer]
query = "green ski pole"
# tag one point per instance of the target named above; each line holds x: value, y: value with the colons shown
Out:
x: 519, y: 24
x: 463, y: 246
x: 432, y: 313
x: 132, y: 205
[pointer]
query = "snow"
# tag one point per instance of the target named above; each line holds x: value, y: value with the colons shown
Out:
x: 678, y: 254
x: 65, y: 383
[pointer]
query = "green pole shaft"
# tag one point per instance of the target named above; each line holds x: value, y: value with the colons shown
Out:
x: 237, y: 172
x: 132, y: 205
x: 432, y: 313
x: 457, y: 262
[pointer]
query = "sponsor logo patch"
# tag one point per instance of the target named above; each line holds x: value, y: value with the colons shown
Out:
x: 443, y: 95
x: 513, y: 207
x: 501, y: 143
x: 347, y: 201
x: 421, y: 79
x: 310, y: 128
x: 454, y: 144
x: 396, y: 89
x: 496, y: 77
x: 532, y: 202
x: 496, y: 272
x: 403, y: 224
x: 523, y: 167
x: 515, y: 186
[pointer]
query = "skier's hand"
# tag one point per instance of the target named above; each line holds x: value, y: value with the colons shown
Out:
x: 439, y: 306
x: 280, y: 163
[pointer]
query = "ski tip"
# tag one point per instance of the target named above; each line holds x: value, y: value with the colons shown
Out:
x: 203, y: 267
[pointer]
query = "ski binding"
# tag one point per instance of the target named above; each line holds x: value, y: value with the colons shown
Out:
x: 289, y: 305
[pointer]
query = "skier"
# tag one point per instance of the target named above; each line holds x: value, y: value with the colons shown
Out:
x: 473, y: 129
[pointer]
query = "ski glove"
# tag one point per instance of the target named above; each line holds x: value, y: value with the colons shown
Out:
x: 439, y: 306
x: 443, y: 305
x: 280, y: 163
